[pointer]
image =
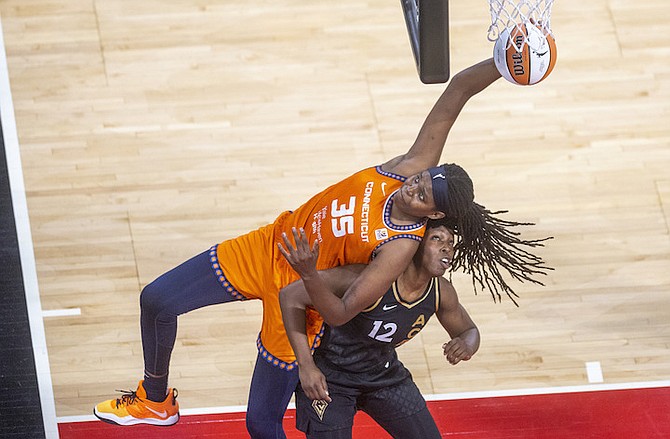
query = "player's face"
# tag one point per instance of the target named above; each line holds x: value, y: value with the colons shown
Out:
x: 437, y: 250
x: 415, y: 196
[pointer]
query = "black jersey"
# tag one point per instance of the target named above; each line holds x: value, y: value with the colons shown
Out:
x: 368, y: 341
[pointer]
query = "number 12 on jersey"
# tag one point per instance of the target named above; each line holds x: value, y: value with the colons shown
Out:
x: 387, y: 335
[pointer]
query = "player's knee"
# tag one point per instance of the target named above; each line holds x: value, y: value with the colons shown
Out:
x: 151, y: 299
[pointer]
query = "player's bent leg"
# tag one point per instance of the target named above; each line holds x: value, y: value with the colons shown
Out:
x: 134, y: 408
x: 187, y: 287
x: 269, y: 394
x: 401, y: 410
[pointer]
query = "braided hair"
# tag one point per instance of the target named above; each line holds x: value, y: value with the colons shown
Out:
x: 487, y: 247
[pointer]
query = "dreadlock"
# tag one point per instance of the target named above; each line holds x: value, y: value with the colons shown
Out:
x: 487, y: 246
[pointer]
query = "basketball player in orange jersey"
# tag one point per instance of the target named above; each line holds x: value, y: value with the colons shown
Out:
x: 356, y: 366
x: 374, y: 217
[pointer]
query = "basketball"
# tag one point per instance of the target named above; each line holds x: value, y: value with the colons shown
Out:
x: 530, y: 58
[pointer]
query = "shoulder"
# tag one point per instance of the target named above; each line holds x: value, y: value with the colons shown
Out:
x: 393, y: 164
x: 404, y: 165
x: 448, y: 296
x: 383, y: 172
x: 398, y: 248
x: 391, y: 259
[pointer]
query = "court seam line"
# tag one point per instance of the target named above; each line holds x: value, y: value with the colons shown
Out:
x: 63, y: 312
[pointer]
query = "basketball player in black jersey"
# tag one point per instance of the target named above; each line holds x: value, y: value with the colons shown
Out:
x: 356, y: 365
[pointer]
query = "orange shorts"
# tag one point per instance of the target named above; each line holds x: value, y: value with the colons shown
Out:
x: 254, y: 268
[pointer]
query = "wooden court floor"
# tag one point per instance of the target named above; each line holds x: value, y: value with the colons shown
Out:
x: 151, y: 130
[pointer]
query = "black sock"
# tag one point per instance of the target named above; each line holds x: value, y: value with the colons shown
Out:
x: 156, y: 388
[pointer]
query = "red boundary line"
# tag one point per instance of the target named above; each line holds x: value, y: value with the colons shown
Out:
x: 612, y: 414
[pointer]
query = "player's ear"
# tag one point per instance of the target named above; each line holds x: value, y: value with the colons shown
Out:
x: 436, y: 215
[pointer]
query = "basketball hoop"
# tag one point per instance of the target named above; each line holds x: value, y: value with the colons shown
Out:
x: 506, y: 14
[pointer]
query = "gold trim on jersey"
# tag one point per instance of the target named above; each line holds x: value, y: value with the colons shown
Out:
x: 400, y: 300
x: 374, y: 305
x: 433, y: 283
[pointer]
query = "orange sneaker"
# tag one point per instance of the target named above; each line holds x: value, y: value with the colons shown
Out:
x: 134, y: 408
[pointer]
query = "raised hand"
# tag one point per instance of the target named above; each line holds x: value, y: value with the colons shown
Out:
x: 301, y: 257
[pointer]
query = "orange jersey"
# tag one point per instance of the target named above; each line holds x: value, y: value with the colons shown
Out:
x: 351, y: 219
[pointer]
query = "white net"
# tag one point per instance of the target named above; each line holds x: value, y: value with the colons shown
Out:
x: 506, y: 14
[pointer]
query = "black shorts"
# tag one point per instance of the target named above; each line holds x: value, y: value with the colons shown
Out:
x: 395, y: 404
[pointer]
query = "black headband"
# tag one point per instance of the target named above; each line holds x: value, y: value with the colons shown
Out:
x: 440, y: 188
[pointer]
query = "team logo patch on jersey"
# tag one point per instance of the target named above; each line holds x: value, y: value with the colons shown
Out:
x: 319, y: 406
x: 381, y: 234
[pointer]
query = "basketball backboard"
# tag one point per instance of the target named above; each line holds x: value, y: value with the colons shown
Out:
x: 428, y: 29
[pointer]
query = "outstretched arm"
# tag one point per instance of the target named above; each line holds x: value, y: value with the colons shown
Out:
x: 429, y: 144
x: 456, y: 320
x: 372, y: 283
